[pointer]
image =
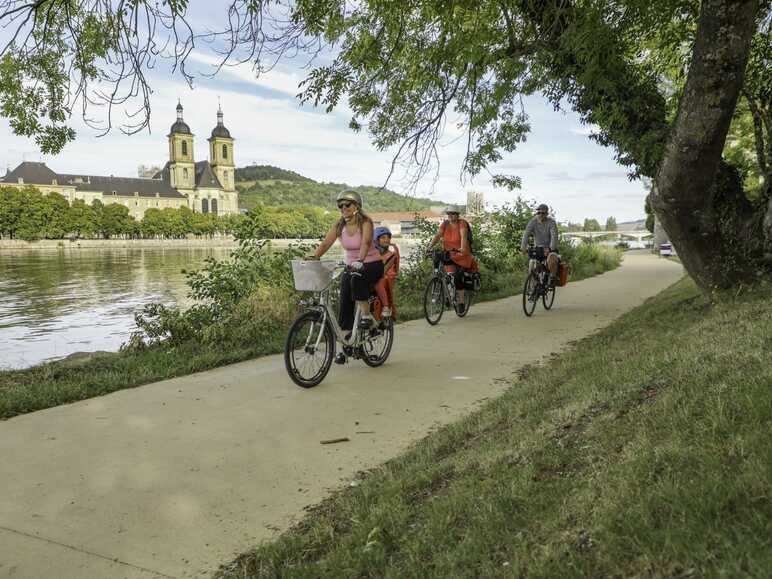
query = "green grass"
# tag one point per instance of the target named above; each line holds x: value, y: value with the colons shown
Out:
x: 642, y: 452
x: 65, y: 381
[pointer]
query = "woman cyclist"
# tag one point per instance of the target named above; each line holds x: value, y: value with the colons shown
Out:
x: 355, y: 231
x: 455, y: 239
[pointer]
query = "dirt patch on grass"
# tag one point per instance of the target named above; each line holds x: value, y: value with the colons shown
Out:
x: 437, y: 485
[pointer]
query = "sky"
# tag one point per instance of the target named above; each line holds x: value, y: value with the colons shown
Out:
x: 559, y: 165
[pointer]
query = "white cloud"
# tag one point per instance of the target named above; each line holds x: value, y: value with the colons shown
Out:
x: 584, y: 130
x: 278, y: 80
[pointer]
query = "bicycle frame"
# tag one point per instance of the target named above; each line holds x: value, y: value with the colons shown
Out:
x: 448, y: 282
x: 321, y: 303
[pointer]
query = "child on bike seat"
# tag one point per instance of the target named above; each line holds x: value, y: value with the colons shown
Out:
x: 390, y: 256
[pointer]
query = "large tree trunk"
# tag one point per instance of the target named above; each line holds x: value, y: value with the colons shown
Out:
x: 699, y: 199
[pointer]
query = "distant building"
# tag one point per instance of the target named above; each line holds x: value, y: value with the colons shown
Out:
x: 403, y: 222
x: 203, y: 186
x: 475, y: 203
x: 147, y: 172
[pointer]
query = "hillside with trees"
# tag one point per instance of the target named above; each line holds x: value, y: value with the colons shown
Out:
x: 275, y: 187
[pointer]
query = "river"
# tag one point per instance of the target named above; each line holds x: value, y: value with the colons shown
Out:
x: 54, y: 303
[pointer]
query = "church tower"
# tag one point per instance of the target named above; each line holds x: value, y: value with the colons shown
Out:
x: 221, y: 154
x: 182, y: 169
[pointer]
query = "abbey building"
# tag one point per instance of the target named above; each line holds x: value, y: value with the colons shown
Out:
x: 207, y: 186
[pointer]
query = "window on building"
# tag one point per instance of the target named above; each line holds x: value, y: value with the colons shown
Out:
x: 184, y: 173
x: 205, y: 206
x: 225, y: 151
x: 184, y: 147
x: 214, y: 206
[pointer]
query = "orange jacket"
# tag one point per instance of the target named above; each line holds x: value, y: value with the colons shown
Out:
x: 393, y: 271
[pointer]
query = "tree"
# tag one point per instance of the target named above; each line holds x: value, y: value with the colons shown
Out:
x: 84, y: 222
x: 591, y: 225
x: 153, y: 223
x: 115, y: 220
x: 174, y: 223
x: 33, y: 217
x: 757, y: 93
x: 611, y: 224
x: 649, y: 216
x: 98, y: 213
x: 409, y: 68
x: 57, y: 215
x: 12, y: 203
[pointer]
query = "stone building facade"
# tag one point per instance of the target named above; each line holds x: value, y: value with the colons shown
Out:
x: 205, y: 186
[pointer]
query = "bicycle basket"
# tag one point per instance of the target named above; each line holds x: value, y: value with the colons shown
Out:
x: 312, y: 275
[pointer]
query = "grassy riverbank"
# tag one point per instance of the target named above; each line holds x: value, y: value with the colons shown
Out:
x: 642, y: 452
x: 257, y: 328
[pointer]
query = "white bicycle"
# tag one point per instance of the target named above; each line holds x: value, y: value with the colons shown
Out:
x: 311, y: 342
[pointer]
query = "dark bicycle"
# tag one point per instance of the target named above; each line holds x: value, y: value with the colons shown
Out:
x: 537, y: 284
x: 441, y: 291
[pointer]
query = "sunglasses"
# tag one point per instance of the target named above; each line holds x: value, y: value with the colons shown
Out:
x: 346, y: 205
x: 541, y: 212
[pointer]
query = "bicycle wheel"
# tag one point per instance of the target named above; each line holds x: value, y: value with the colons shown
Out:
x: 548, y: 298
x: 467, y: 304
x: 377, y: 345
x: 434, y: 301
x: 530, y: 294
x: 309, y: 350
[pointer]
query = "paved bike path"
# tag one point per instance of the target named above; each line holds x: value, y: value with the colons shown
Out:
x: 174, y: 478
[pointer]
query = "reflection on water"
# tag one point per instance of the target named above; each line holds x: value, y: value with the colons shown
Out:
x: 54, y: 303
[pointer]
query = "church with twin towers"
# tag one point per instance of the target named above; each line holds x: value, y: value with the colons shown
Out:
x: 207, y: 186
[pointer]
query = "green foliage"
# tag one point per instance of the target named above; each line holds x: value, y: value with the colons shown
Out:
x: 306, y: 192
x: 33, y: 92
x: 247, y: 296
x: 649, y: 215
x: 27, y: 214
x: 591, y: 225
x: 611, y: 224
x: 286, y: 222
x: 84, y: 219
x: 267, y: 172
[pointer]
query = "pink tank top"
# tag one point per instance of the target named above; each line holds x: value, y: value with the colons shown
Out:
x: 351, y: 245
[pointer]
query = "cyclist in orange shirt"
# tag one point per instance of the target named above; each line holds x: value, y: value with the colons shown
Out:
x: 390, y: 257
x: 454, y: 233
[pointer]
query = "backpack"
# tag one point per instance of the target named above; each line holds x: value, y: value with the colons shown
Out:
x: 469, y: 237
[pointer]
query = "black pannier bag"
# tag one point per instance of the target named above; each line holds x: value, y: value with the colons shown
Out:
x: 472, y: 280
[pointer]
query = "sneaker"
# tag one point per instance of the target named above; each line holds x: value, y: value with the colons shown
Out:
x: 461, y: 308
x: 553, y: 281
x: 365, y: 322
x: 340, y: 358
x: 386, y: 312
